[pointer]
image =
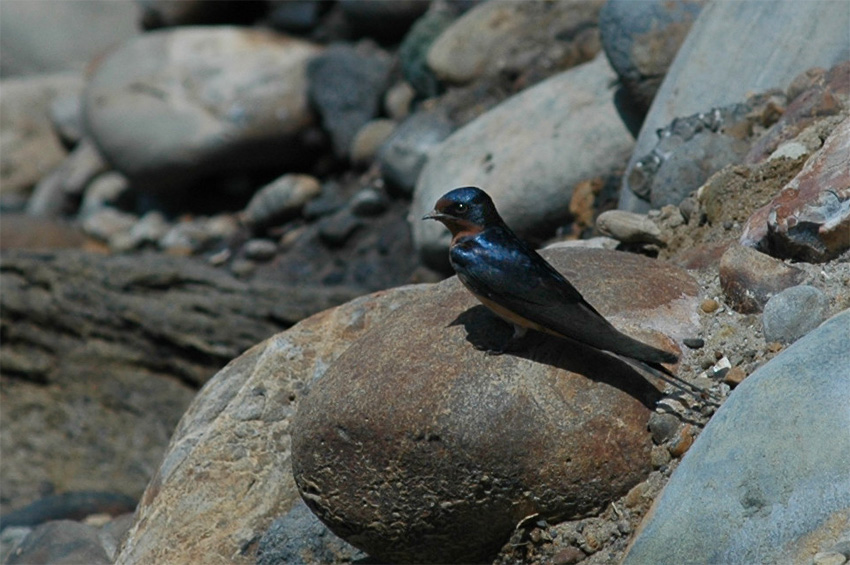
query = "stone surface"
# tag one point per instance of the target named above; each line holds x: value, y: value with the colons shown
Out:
x: 793, y: 313
x: 59, y: 193
x: 10, y: 539
x: 369, y: 138
x: 101, y: 355
x: 68, y: 506
x: 369, y: 252
x: 29, y: 147
x: 234, y: 438
x: 281, y: 200
x: 640, y: 40
x: 747, y: 36
x: 346, y: 87
x: 816, y: 95
x: 405, y: 152
x: 691, y: 148
x: 785, y: 495
x: 20, y: 231
x: 66, y: 115
x: 750, y: 278
x: 110, y: 189
x: 398, y: 100
x: 61, y: 542
x: 171, y: 107
x: 809, y: 219
x: 299, y: 538
x: 504, y: 36
x: 294, y: 17
x: 47, y: 37
x: 628, y: 227
x: 527, y: 153
x: 437, y: 454
x: 413, y: 51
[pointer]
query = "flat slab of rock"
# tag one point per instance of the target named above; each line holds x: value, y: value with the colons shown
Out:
x: 766, y: 481
x: 101, y: 355
x: 416, y: 446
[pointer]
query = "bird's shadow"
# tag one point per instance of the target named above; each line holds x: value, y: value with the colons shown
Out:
x: 486, y: 331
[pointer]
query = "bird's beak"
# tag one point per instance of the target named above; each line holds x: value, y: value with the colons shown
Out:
x: 433, y: 215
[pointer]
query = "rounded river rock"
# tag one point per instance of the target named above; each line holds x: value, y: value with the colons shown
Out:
x: 416, y: 446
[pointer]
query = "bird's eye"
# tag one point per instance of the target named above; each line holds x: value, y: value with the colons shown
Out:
x: 460, y: 207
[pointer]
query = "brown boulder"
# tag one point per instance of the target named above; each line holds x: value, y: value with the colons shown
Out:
x: 416, y: 446
x: 749, y: 278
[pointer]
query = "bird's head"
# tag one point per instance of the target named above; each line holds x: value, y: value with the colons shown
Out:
x: 465, y: 210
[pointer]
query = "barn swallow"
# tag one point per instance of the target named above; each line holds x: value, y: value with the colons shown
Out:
x: 521, y: 287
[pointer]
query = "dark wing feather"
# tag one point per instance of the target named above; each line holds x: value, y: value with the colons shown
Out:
x: 499, y: 266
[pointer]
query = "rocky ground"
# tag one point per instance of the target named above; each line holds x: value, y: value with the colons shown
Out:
x: 204, y: 225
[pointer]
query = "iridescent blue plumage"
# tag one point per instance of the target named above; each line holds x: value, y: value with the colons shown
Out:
x: 519, y: 285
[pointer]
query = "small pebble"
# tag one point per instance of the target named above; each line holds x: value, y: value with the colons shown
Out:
x: 368, y: 139
x: 220, y: 258
x: 281, y: 200
x: 721, y: 368
x: 336, y: 230
x: 689, y: 207
x: 185, y: 238
x: 242, y: 267
x: 107, y: 222
x: 368, y: 202
x: 694, y: 342
x: 629, y: 227
x: 260, y: 249
x: 150, y: 228
x: 289, y: 238
x: 735, y: 376
x: 663, y: 426
x: 635, y: 496
x: 829, y: 558
x: 659, y: 457
x: 398, y: 99
x: 709, y: 305
x: 568, y: 556
x: 682, y: 442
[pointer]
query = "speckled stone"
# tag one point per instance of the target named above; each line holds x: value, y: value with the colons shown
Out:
x: 793, y: 313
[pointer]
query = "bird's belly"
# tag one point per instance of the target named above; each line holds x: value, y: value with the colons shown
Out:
x: 509, y: 315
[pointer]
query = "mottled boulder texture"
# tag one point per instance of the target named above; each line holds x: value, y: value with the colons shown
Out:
x: 436, y: 454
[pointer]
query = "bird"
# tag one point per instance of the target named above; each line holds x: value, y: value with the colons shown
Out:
x: 521, y: 287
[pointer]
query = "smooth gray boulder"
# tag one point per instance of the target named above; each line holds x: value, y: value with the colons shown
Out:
x: 768, y: 480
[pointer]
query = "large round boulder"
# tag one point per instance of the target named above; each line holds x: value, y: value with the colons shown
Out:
x: 416, y: 446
